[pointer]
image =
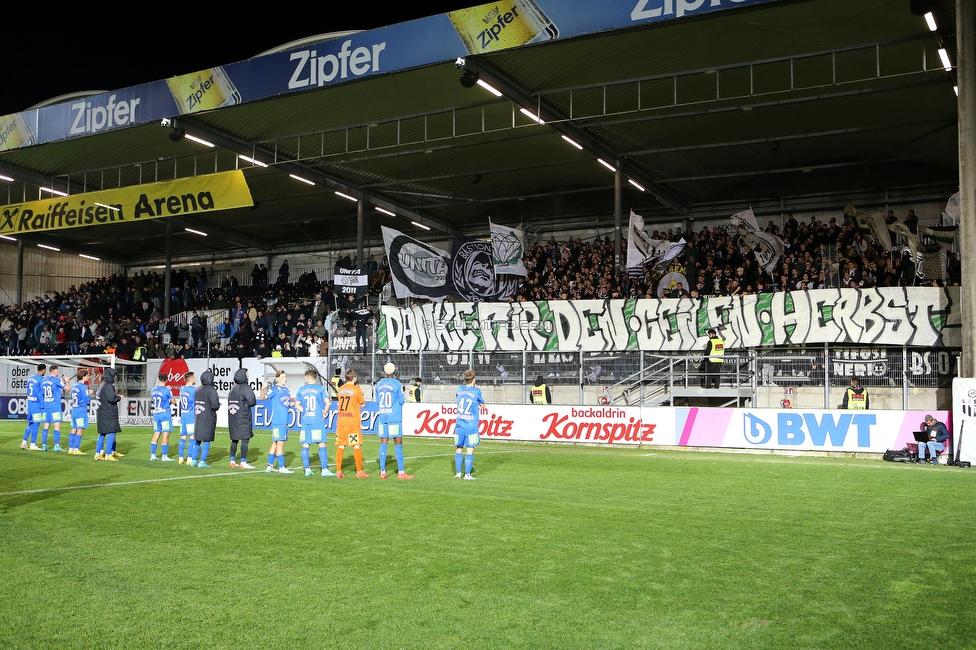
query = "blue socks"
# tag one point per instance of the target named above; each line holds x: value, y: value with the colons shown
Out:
x: 398, y: 450
x: 305, y: 459
x: 27, y: 430
x: 383, y: 447
x: 324, y: 457
x: 468, y: 463
x: 109, y: 443
x: 281, y: 461
x: 182, y: 446
x: 204, y: 450
x: 152, y: 448
x: 458, y: 458
x: 165, y: 450
x: 271, y: 459
x: 45, y: 436
x: 57, y: 436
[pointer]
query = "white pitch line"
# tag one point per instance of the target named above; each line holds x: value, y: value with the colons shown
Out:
x: 199, y: 476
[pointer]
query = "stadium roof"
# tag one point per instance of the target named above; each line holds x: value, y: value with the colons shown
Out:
x: 796, y: 105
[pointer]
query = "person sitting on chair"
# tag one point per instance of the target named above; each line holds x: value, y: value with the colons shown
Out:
x: 938, y: 435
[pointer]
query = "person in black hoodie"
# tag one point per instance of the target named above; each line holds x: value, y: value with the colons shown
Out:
x: 205, y: 410
x: 240, y: 401
x: 107, y: 417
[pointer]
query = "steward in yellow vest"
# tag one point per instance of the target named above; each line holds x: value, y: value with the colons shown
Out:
x: 413, y: 390
x: 715, y: 353
x: 540, y: 392
x: 855, y: 397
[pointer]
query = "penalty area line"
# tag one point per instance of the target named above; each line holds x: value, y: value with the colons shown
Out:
x: 219, y: 474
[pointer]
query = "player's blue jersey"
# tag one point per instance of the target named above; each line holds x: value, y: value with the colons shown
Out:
x: 312, y: 398
x: 80, y: 397
x: 280, y: 401
x: 51, y: 388
x: 34, y: 390
x: 160, y: 399
x: 188, y: 401
x: 389, y: 400
x: 468, y: 399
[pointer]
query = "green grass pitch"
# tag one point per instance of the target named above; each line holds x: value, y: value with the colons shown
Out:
x: 551, y: 547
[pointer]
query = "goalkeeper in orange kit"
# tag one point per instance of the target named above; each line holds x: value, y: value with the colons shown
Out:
x: 349, y: 429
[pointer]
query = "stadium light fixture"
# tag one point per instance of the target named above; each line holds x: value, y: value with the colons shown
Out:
x: 89, y: 257
x: 573, y: 142
x: 6, y: 178
x: 385, y: 211
x: 636, y: 184
x: 420, y: 225
x: 196, y: 232
x: 54, y: 191
x: 946, y: 63
x: 106, y: 206
x: 252, y: 160
x: 532, y: 116
x: 606, y: 164
x: 955, y: 89
x: 347, y: 197
x: 494, y: 91
x: 303, y: 180
x: 50, y: 248
x: 8, y: 238
x: 199, y: 140
x: 930, y: 21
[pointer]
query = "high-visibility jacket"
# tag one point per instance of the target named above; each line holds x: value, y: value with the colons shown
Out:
x: 539, y: 394
x: 139, y: 354
x: 335, y: 382
x: 413, y: 393
x: 718, y: 350
x: 857, y: 401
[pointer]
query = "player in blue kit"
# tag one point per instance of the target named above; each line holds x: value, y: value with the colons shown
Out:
x: 187, y: 397
x: 80, y: 398
x: 466, y: 426
x: 312, y: 401
x: 280, y: 402
x: 34, y: 413
x: 389, y: 401
x: 161, y: 399
x: 52, y: 387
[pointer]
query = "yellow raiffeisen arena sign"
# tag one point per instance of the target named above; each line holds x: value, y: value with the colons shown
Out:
x: 195, y: 195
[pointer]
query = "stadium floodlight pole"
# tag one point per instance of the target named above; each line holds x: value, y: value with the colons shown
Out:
x: 167, y: 282
x: 360, y: 228
x: 20, y: 270
x: 966, y: 68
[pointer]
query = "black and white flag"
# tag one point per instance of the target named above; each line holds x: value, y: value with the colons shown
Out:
x: 418, y: 270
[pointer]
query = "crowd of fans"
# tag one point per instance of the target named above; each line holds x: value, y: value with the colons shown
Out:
x: 124, y: 315
x: 716, y: 261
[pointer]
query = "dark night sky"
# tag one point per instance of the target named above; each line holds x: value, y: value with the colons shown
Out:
x: 83, y: 49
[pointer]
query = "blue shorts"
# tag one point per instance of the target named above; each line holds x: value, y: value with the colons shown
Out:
x: 35, y: 414
x: 162, y: 423
x: 313, y: 435
x: 465, y: 438
x: 186, y: 428
x: 279, y: 433
x: 390, y: 430
x: 52, y: 415
x: 79, y: 418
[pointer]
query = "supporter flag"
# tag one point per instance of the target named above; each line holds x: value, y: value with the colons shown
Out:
x: 746, y: 218
x: 471, y: 273
x: 664, y: 252
x: 767, y: 248
x: 944, y: 236
x: 911, y: 239
x: 351, y: 281
x: 640, y: 247
x: 931, y: 266
x: 418, y: 270
x: 507, y: 249
x: 874, y: 226
x: 952, y: 207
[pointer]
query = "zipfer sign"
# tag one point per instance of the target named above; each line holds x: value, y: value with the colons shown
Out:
x: 195, y: 195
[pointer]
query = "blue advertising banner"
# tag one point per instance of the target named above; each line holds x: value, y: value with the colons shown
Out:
x: 481, y: 29
x: 261, y: 418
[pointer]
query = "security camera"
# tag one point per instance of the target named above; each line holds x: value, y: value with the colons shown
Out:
x: 459, y: 62
x: 165, y: 122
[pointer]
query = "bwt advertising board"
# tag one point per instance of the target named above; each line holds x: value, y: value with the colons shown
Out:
x: 814, y: 430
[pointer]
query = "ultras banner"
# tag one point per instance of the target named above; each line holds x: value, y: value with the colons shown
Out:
x: 195, y: 195
x: 912, y: 316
